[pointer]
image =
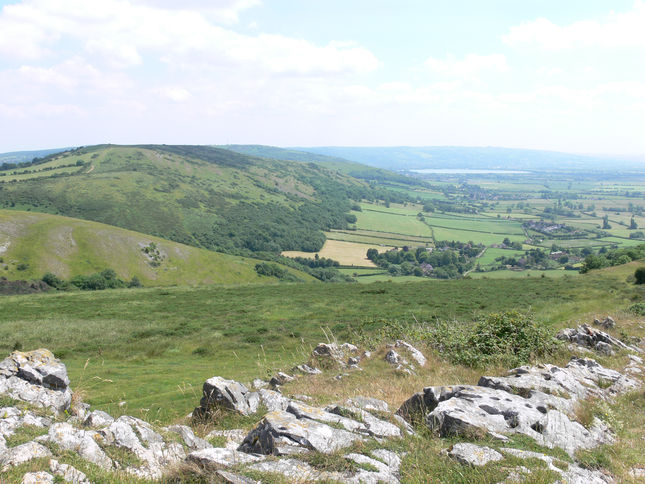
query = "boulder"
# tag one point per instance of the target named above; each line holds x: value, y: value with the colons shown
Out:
x: 98, y: 418
x: 83, y: 442
x: 607, y: 323
x: 588, y: 337
x: 281, y: 433
x: 67, y: 472
x: 234, y: 437
x: 307, y: 370
x: 41, y: 477
x: 368, y: 403
x: 280, y: 379
x: 36, y: 377
x: 330, y: 353
x: 382, y: 474
x: 188, y: 436
x: 296, y: 471
x: 20, y: 454
x: 372, y: 426
x: 221, y: 393
x: 474, y: 455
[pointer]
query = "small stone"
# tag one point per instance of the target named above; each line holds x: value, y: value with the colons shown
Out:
x: 280, y: 379
x: 474, y: 455
x: 368, y: 403
x: 20, y: 454
x: 98, y: 418
x: 307, y: 370
x: 604, y: 348
x: 67, y: 472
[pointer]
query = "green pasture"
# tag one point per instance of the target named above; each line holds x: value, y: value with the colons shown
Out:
x: 391, y: 223
x: 492, y: 253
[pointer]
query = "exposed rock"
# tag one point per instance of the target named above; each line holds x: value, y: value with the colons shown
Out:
x: 20, y: 454
x: 415, y: 354
x: 368, y: 403
x: 393, y: 358
x: 307, y: 370
x: 281, y: 433
x: 637, y: 472
x: 607, y: 323
x: 188, y: 436
x: 280, y: 379
x: 636, y: 359
x: 83, y: 442
x: 302, y: 410
x: 389, y: 458
x: 231, y: 478
x: 98, y: 418
x: 218, y: 457
x: 475, y: 455
x: 36, y: 377
x: 41, y: 477
x: 257, y: 384
x: 374, y: 426
x: 67, y: 472
x: 383, y: 473
x: 604, y: 348
x: 296, y: 470
x: 349, y: 348
x: 273, y: 400
x: 588, y: 337
x: 331, y: 353
x: 534, y: 401
x: 219, y: 392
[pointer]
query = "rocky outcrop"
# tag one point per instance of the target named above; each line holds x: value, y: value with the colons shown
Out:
x: 474, y: 455
x: 533, y: 401
x: 590, y: 338
x: 607, y: 323
x: 229, y: 394
x: 38, y: 378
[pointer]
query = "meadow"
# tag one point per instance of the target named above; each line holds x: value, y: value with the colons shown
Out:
x: 153, y: 348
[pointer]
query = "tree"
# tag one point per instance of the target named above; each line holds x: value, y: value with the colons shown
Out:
x: 639, y: 274
x: 372, y: 254
x: 605, y: 223
x: 632, y: 224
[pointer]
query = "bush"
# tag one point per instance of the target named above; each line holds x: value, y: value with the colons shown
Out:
x: 638, y: 309
x: 639, y: 274
x: 509, y: 338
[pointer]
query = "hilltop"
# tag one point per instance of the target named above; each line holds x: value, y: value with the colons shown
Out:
x: 32, y: 244
x: 201, y: 196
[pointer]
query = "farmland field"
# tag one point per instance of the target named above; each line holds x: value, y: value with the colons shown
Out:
x: 347, y: 253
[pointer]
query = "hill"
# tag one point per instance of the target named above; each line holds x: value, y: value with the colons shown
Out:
x: 435, y: 157
x: 27, y: 156
x: 351, y: 168
x: 32, y: 244
x: 201, y: 196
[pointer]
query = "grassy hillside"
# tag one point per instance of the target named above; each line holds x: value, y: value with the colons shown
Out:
x: 201, y: 196
x: 32, y: 244
x: 153, y: 348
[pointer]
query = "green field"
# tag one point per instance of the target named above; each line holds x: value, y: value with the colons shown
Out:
x: 153, y: 348
x: 382, y: 221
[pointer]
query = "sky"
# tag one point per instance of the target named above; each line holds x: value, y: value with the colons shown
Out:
x: 541, y: 74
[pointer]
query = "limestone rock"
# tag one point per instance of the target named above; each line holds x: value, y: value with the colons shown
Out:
x: 36, y: 377
x: 219, y: 392
x: 188, y: 436
x: 282, y: 433
x: 296, y: 470
x: 98, y: 418
x: 302, y: 410
x: 67, y: 472
x: 37, y: 478
x: 280, y: 379
x: 231, y: 478
x: 330, y: 353
x: 20, y: 454
x: 415, y: 354
x: 234, y: 437
x: 217, y: 456
x: 588, y: 337
x: 373, y: 426
x: 80, y: 441
x: 474, y: 455
x: 307, y: 370
x: 607, y: 323
x: 383, y: 473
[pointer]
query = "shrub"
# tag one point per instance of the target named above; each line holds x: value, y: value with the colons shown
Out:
x: 639, y: 274
x: 22, y: 266
x: 638, y: 309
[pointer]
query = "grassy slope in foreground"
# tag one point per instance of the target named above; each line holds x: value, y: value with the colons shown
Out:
x: 155, y: 347
x: 69, y: 247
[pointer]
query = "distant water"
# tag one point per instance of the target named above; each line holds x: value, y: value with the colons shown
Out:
x: 466, y: 171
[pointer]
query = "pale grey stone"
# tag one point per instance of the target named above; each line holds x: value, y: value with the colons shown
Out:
x: 219, y: 392
x: 80, y: 441
x: 20, y: 454
x: 383, y: 473
x: 67, y: 472
x: 188, y: 436
x: 296, y: 470
x: 373, y: 426
x: 307, y: 370
x: 415, y: 354
x: 40, y: 477
x: 234, y: 437
x: 231, y: 478
x: 258, y: 384
x: 98, y: 418
x: 273, y: 400
x: 279, y: 429
x: 389, y: 458
x: 217, y: 456
x: 302, y: 410
x: 475, y: 455
x: 280, y: 379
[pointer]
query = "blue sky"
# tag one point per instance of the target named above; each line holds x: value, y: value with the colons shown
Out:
x: 541, y: 74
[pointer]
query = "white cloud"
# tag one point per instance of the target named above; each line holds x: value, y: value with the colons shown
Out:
x: 471, y: 64
x: 176, y: 94
x: 616, y: 30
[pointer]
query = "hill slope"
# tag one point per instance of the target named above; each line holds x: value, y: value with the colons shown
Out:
x: 68, y: 247
x: 201, y: 196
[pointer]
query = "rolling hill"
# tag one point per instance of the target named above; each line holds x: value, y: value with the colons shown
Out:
x: 197, y: 195
x: 32, y: 244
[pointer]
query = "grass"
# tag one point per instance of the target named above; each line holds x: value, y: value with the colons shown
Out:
x: 153, y: 348
x: 69, y: 247
x: 391, y: 223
